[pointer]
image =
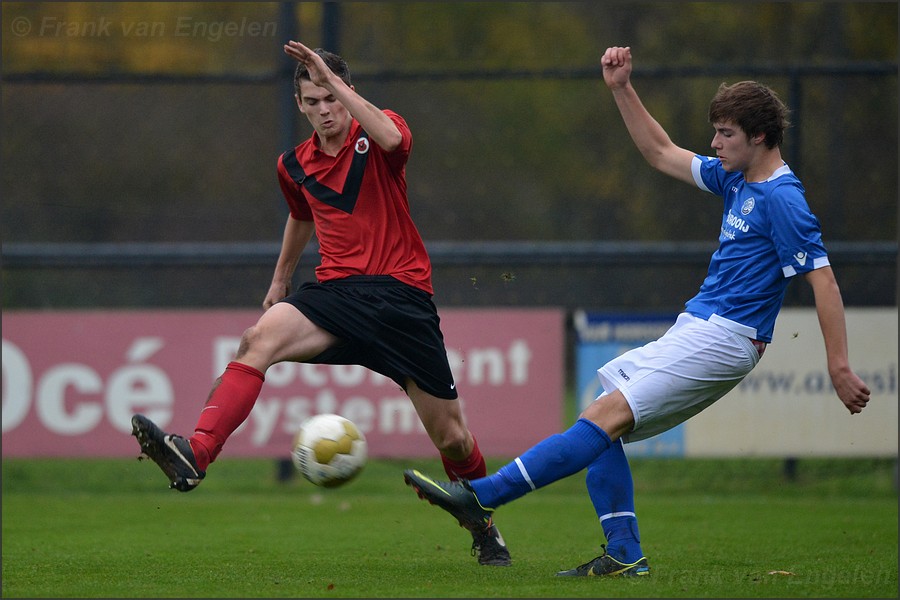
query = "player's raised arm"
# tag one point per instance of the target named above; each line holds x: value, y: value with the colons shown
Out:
x: 648, y: 135
x: 379, y: 126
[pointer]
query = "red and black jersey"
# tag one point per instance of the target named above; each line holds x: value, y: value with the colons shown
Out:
x: 358, y: 202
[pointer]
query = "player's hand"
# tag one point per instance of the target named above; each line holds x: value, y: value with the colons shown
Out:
x: 616, y: 63
x: 318, y: 71
x: 277, y: 292
x: 852, y: 390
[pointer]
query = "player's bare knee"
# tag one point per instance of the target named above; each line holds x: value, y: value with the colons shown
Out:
x: 612, y: 413
x: 455, y: 444
x: 248, y: 338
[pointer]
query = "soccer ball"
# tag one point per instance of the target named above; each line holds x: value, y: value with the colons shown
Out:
x: 329, y: 450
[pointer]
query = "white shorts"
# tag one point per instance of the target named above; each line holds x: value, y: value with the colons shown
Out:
x: 668, y: 381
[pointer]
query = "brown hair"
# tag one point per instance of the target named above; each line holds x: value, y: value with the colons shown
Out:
x: 334, y: 62
x: 754, y: 107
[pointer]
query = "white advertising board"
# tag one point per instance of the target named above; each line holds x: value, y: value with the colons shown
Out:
x: 787, y: 406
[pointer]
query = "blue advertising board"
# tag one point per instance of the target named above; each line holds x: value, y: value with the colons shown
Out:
x: 604, y: 336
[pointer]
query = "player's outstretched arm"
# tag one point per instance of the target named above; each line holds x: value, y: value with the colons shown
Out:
x: 852, y: 390
x: 296, y: 236
x: 648, y: 135
x: 378, y: 125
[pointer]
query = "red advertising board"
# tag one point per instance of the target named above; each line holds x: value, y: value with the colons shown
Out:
x: 72, y: 380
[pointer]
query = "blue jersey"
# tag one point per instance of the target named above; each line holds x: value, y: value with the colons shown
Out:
x: 768, y: 235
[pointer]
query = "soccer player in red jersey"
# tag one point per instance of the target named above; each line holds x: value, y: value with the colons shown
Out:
x: 371, y: 302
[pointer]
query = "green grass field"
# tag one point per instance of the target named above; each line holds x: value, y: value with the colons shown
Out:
x: 711, y: 528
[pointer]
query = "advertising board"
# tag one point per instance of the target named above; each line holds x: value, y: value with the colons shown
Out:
x: 786, y: 406
x: 72, y: 380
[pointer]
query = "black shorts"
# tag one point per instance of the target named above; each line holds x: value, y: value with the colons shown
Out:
x: 385, y: 325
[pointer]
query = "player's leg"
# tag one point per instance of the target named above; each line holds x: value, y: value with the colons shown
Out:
x: 611, y: 490
x: 282, y: 333
x: 472, y: 503
x: 559, y: 455
x: 444, y: 421
x: 462, y: 459
x: 418, y: 353
x: 702, y: 362
x: 611, y: 415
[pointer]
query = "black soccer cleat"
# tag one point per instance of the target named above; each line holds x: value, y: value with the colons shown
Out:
x: 456, y: 497
x: 489, y: 547
x: 171, y: 453
x: 606, y: 566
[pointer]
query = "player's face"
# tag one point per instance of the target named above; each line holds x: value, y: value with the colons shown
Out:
x: 327, y: 116
x: 732, y: 146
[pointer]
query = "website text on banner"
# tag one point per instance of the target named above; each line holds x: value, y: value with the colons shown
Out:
x: 72, y: 380
x: 786, y: 407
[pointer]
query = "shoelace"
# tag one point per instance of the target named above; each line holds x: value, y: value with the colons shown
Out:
x: 588, y: 563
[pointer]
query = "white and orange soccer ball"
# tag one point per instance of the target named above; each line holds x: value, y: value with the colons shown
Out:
x: 329, y: 450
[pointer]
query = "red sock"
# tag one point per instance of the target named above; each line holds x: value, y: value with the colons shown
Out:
x: 472, y: 467
x: 229, y: 404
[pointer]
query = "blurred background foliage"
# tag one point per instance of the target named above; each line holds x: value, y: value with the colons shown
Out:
x: 515, y: 135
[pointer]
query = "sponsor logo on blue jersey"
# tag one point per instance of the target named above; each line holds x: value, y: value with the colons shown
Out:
x: 747, y: 207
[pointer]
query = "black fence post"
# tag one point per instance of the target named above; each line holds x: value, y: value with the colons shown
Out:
x: 331, y: 26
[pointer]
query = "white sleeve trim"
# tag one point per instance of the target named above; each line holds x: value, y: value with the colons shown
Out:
x: 695, y: 171
x: 818, y: 263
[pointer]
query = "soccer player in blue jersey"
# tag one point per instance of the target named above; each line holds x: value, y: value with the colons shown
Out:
x: 768, y: 236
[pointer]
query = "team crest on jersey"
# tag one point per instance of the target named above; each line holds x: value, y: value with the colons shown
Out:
x: 362, y: 145
x: 747, y: 207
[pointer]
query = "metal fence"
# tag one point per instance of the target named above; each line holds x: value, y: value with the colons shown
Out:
x: 649, y: 276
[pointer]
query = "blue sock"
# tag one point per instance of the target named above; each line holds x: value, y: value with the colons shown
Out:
x: 557, y: 456
x: 611, y: 489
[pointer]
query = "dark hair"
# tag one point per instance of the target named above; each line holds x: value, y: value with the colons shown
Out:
x: 334, y: 62
x: 754, y: 107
